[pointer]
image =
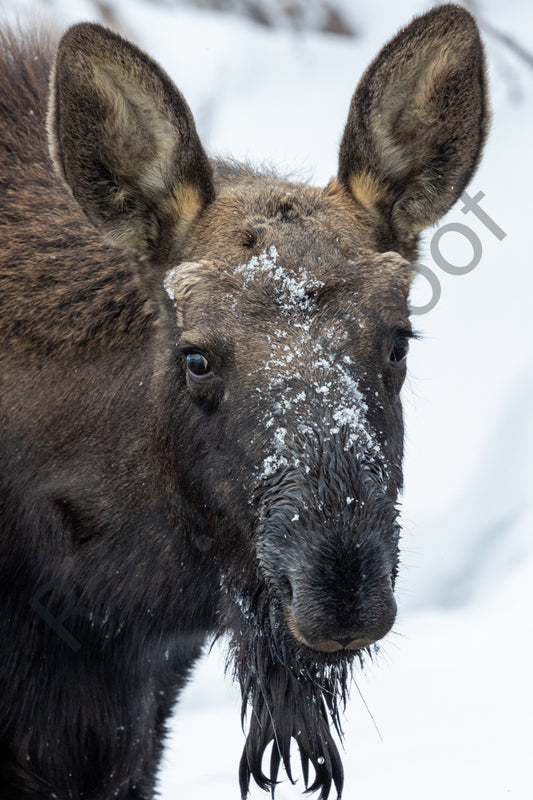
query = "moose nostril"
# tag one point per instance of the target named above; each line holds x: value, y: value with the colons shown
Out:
x: 286, y: 589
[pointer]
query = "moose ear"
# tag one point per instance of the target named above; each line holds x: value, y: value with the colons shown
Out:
x: 124, y: 140
x: 417, y: 123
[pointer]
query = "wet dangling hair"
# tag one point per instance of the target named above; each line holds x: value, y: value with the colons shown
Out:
x: 286, y: 694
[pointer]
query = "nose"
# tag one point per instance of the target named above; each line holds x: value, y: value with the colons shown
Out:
x: 329, y: 626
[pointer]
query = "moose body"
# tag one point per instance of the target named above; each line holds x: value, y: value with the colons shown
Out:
x: 200, y: 421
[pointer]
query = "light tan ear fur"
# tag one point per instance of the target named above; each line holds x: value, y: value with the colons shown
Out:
x: 417, y: 123
x: 123, y: 138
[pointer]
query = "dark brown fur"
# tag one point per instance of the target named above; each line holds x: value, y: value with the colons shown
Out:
x: 144, y: 506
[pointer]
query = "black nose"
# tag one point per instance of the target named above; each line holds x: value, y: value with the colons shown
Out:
x: 333, y: 622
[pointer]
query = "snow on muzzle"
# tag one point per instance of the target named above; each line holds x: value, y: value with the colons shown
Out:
x: 328, y: 548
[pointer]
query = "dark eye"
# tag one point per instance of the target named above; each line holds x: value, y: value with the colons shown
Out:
x: 400, y: 350
x: 198, y: 366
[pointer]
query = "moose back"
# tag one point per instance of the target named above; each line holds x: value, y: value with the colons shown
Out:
x: 200, y: 419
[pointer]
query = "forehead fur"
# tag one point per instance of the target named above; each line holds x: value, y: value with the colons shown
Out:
x: 251, y: 214
x: 265, y: 244
x: 267, y: 285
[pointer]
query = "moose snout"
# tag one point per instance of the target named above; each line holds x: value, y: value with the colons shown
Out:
x: 331, y: 564
x: 344, y: 617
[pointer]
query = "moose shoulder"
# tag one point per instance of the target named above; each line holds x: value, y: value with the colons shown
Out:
x: 200, y: 423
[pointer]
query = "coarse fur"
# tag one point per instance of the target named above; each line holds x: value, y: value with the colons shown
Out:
x: 200, y: 423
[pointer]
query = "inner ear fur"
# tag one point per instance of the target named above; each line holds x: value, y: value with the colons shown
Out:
x: 124, y: 140
x: 417, y: 123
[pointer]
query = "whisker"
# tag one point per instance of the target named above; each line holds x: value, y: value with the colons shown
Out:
x: 368, y: 710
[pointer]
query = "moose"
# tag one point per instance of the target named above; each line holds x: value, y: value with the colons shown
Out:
x: 200, y: 419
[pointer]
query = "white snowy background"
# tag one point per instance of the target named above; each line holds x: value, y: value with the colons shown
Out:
x: 448, y: 705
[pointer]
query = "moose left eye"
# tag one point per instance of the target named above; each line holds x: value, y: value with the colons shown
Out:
x: 400, y: 350
x: 198, y: 366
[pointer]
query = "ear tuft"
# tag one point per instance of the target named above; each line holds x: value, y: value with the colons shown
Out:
x: 367, y: 189
x: 186, y: 203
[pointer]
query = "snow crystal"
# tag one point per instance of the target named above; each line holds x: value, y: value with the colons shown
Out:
x: 271, y: 464
x: 169, y: 280
x: 291, y: 288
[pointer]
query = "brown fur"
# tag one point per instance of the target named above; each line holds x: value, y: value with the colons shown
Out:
x: 48, y: 310
x: 143, y: 504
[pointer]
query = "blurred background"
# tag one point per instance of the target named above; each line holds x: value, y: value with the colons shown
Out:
x: 446, y: 710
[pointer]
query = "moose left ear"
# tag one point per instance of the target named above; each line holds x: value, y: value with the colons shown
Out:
x: 124, y: 140
x: 417, y: 123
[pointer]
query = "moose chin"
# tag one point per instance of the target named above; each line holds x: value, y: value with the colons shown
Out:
x: 200, y: 420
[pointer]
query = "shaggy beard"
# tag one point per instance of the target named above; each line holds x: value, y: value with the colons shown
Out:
x: 291, y: 693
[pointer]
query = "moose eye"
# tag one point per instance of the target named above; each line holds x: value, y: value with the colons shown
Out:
x: 398, y: 354
x: 198, y: 366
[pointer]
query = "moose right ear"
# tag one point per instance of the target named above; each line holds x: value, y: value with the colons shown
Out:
x: 417, y: 123
x: 124, y: 140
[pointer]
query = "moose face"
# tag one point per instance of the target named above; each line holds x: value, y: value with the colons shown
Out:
x: 293, y: 354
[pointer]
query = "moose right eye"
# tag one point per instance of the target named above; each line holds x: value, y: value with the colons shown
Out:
x: 198, y: 366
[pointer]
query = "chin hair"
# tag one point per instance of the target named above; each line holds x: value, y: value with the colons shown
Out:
x: 288, y: 692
